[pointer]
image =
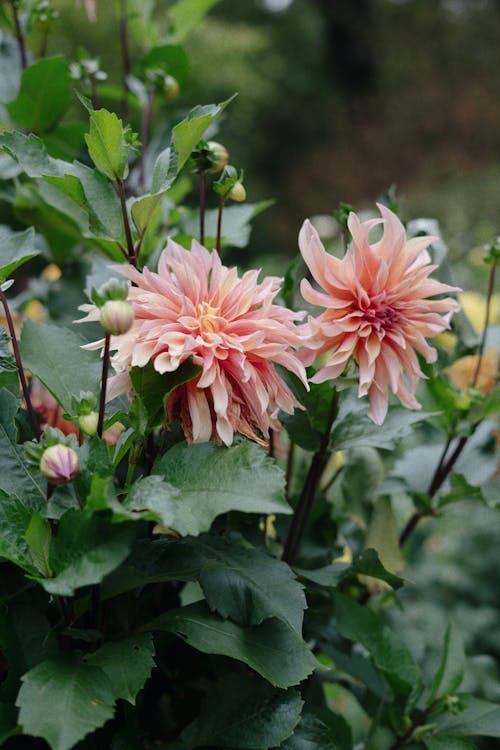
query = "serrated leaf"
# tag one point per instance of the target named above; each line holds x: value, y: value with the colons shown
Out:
x: 214, y: 480
x: 16, y: 248
x: 16, y: 477
x: 38, y: 537
x: 14, y: 521
x: 127, y: 663
x: 62, y: 700
x: 273, y: 649
x: 360, y: 624
x: 107, y: 144
x: 157, y: 500
x: 85, y: 549
x: 241, y: 711
x: 44, y: 96
x: 352, y: 427
x: 55, y: 356
x: 311, y: 734
x: 477, y: 717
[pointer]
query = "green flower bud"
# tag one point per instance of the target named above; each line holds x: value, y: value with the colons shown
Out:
x: 117, y: 317
x: 59, y: 464
x: 237, y: 192
x: 217, y: 155
x: 88, y: 423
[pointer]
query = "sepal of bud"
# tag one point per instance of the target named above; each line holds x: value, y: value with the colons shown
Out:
x: 117, y: 317
x: 230, y: 184
x: 114, y: 289
x: 59, y: 464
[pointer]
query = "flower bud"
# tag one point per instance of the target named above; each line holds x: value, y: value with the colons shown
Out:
x: 59, y: 464
x: 88, y: 423
x: 218, y: 155
x: 116, y: 317
x: 170, y: 88
x: 237, y: 192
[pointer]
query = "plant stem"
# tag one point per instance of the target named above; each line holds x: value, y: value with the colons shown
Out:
x: 125, y: 57
x: 104, y: 381
x: 93, y: 92
x: 289, y: 469
x: 407, y: 736
x: 20, y: 368
x: 145, y: 128
x: 219, y: 224
x: 19, y: 35
x: 480, y: 353
x: 203, y: 189
x: 120, y: 188
x: 271, y: 451
x: 304, y: 506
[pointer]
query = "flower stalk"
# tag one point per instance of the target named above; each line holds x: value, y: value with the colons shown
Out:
x: 104, y: 380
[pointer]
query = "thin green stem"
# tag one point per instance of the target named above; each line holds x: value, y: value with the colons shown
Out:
x: 305, y: 504
x: 20, y: 368
x: 19, y: 35
x: 289, y: 469
x: 104, y: 382
x: 120, y: 189
x: 219, y: 224
x: 408, y: 735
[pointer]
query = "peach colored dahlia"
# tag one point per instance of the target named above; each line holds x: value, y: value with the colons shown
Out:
x: 196, y: 307
x: 377, y: 309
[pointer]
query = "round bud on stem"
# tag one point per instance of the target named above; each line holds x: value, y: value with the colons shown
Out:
x: 218, y: 156
x: 59, y: 464
x: 116, y: 317
x: 170, y: 88
x: 237, y: 192
x: 88, y: 423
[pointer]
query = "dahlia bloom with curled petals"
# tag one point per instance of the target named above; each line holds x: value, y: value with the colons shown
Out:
x: 377, y: 309
x: 195, y: 307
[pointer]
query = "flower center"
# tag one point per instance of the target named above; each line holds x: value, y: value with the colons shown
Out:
x: 209, y: 318
x: 379, y: 314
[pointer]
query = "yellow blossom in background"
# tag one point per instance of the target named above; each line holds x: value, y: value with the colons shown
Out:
x: 462, y: 371
x: 36, y: 311
x: 474, y: 306
x: 52, y: 272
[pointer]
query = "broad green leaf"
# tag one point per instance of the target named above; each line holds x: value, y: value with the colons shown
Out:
x: 153, y: 389
x: 360, y: 624
x: 311, y: 733
x: 62, y: 700
x: 127, y: 663
x: 244, y: 712
x: 85, y: 550
x: 55, y: 355
x: 8, y: 368
x: 107, y: 144
x: 273, y: 649
x: 451, y: 670
x: 359, y: 666
x: 45, y: 95
x: 157, y: 500
x: 185, y: 16
x: 476, y: 717
x: 214, y: 480
x: 235, y: 228
x: 16, y: 248
x: 352, y: 427
x: 306, y: 427
x: 30, y: 153
x: 38, y: 537
x: 382, y: 536
x: 366, y: 564
x: 14, y: 521
x: 447, y: 742
x: 16, y: 477
x: 171, y: 59
x: 143, y: 209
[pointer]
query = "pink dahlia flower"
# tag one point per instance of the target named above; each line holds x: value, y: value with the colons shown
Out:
x: 377, y: 309
x: 196, y: 307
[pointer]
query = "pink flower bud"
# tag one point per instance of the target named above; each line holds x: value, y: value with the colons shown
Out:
x: 59, y: 464
x: 117, y: 317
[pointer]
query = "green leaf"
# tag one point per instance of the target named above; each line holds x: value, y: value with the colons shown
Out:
x: 55, y: 355
x: 62, y: 700
x: 45, y: 95
x: 171, y: 59
x: 153, y: 389
x: 235, y: 228
x: 16, y: 477
x: 451, y: 670
x: 447, y: 742
x: 352, y: 427
x: 85, y: 550
x: 157, y: 500
x: 306, y: 427
x: 360, y: 624
x: 214, y: 480
x: 107, y: 144
x: 185, y: 16
x: 382, y: 536
x: 127, y: 663
x: 143, y: 209
x: 366, y: 564
x: 38, y: 537
x: 476, y: 717
x: 273, y: 649
x: 241, y: 711
x: 14, y: 521
x: 16, y: 248
x: 311, y: 734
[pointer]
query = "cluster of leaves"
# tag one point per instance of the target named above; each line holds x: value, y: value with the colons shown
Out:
x: 145, y: 603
